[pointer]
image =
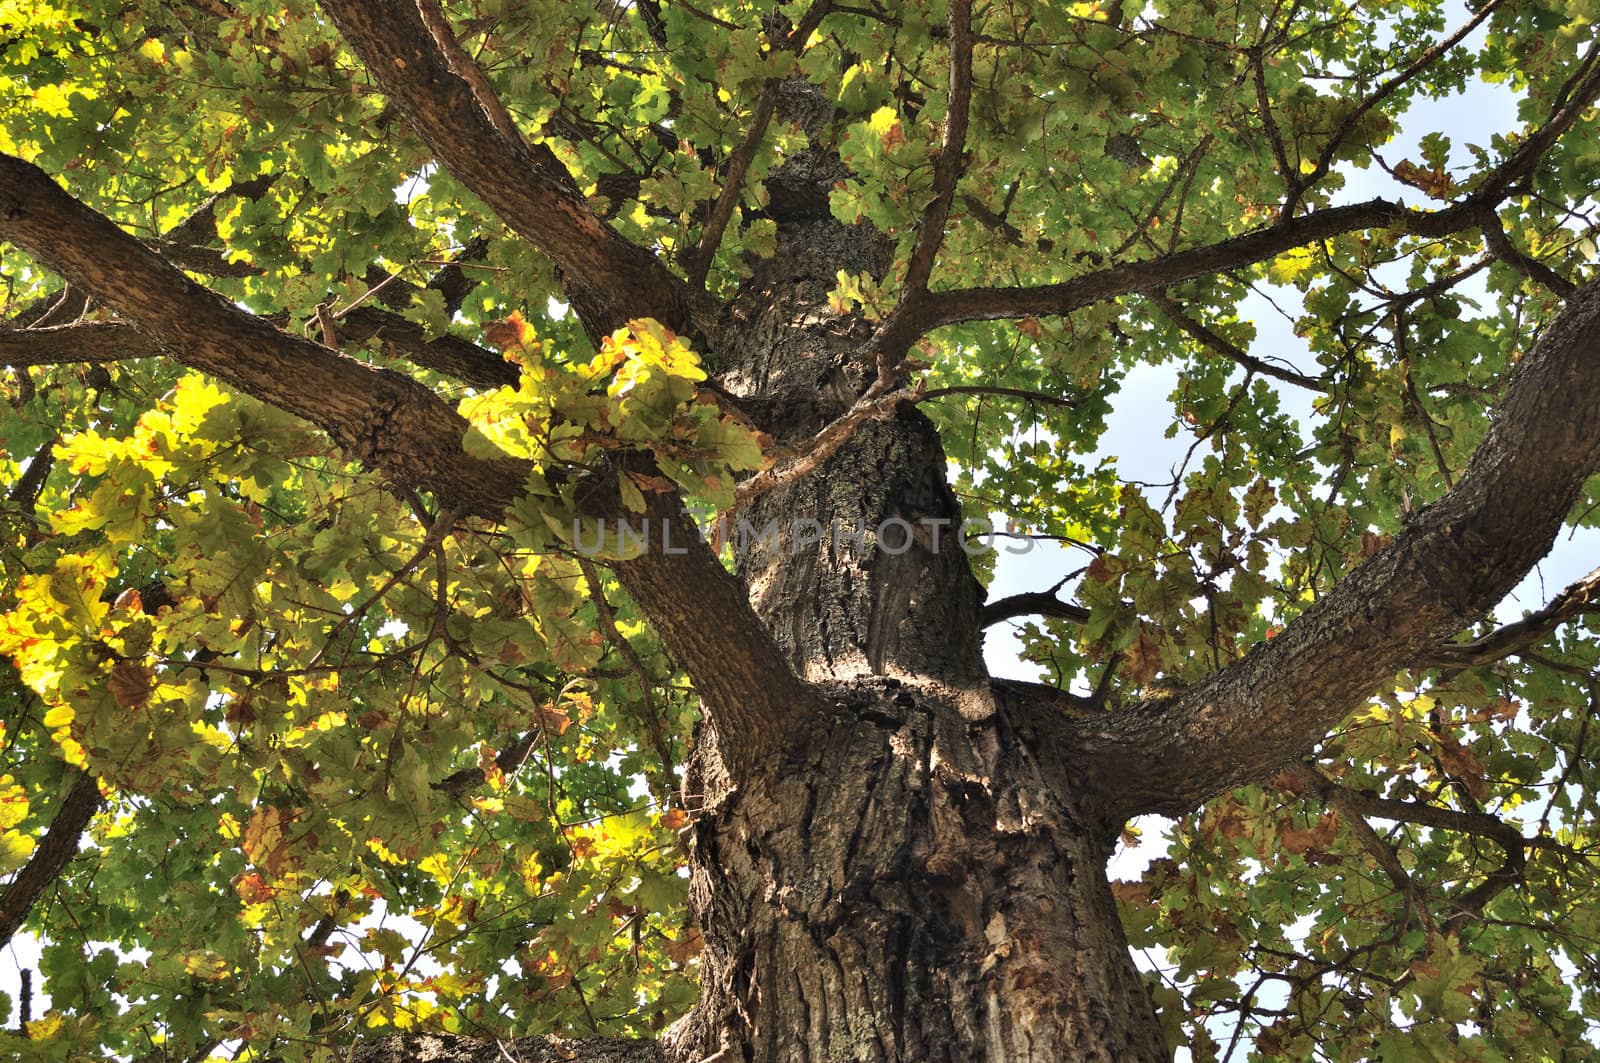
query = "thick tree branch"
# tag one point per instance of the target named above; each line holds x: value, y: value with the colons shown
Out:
x: 949, y: 163
x: 753, y: 697
x: 54, y: 851
x: 384, y: 419
x: 451, y: 355
x: 110, y: 341
x: 24, y: 494
x: 211, y: 261
x: 1288, y: 169
x: 1449, y: 567
x: 467, y: 69
x: 1031, y: 603
x: 1054, y: 699
x: 1417, y: 813
x: 91, y: 341
x: 953, y: 306
x: 398, y: 427
x: 58, y: 308
x: 699, y: 259
x: 950, y: 307
x: 609, y: 279
x: 200, y: 227
x: 1494, y: 234
x: 1583, y: 596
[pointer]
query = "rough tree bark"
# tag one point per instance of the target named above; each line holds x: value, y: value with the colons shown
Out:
x: 894, y: 859
x: 907, y: 880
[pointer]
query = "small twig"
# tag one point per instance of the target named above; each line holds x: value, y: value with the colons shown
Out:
x: 878, y: 403
x: 987, y: 389
x: 339, y: 314
x: 1218, y: 344
x: 652, y: 719
x: 441, y: 527
x: 1181, y: 177
x: 1414, y: 400
x: 1289, y: 171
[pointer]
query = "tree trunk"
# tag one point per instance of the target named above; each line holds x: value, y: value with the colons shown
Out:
x: 910, y: 884
x: 907, y: 881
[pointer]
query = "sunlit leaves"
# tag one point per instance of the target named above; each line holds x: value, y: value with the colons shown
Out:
x: 282, y: 703
x: 638, y: 392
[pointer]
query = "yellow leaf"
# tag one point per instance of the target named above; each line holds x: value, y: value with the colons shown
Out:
x: 13, y: 803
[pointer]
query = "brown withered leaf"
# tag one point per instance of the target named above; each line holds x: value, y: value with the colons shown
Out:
x: 1463, y: 764
x: 1142, y: 660
x: 130, y: 684
x: 512, y: 333
x: 552, y: 718
x: 252, y: 888
x: 240, y: 711
x: 266, y: 840
x: 1301, y: 840
x: 686, y: 946
x: 1130, y: 892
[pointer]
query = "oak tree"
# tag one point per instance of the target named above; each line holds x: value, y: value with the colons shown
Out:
x: 492, y: 549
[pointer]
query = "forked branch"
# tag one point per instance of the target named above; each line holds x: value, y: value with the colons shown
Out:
x: 403, y: 430
x: 1583, y: 596
x: 1452, y: 564
x: 608, y: 278
x: 953, y: 306
x: 738, y: 164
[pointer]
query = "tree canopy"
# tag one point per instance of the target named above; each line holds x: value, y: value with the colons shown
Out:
x: 343, y: 337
